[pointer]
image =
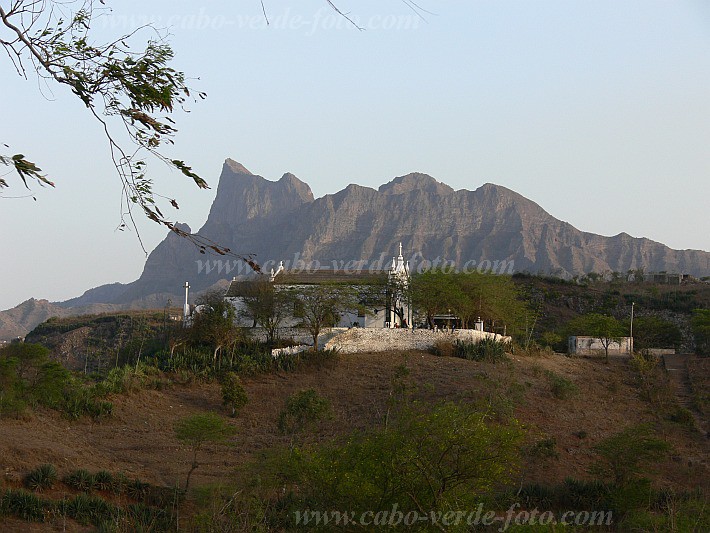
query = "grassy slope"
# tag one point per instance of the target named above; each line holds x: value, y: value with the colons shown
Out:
x: 139, y: 440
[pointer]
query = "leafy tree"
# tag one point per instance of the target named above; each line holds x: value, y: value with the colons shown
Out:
x: 266, y: 306
x: 233, y: 393
x: 197, y: 430
x: 127, y: 84
x: 603, y: 327
x: 625, y: 454
x: 700, y: 322
x: 441, y: 459
x: 213, y: 323
x: 321, y: 306
x: 431, y: 293
x: 469, y: 295
x: 654, y: 332
x: 303, y: 410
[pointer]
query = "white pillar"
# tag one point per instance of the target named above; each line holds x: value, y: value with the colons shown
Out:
x: 186, y: 307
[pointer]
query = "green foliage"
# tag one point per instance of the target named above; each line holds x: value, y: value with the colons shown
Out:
x: 89, y: 509
x: 29, y: 377
x: 24, y: 505
x: 654, y: 332
x: 445, y: 458
x: 80, y: 479
x: 543, y: 449
x: 623, y: 455
x: 321, y: 306
x: 197, y: 430
x: 103, y: 480
x: 468, y: 295
x: 42, y: 477
x: 302, y: 411
x: 127, y: 85
x: 603, y: 327
x: 553, y: 339
x: 213, y: 325
x: 265, y: 306
x: 486, y: 349
x: 560, y: 387
x: 700, y: 324
x: 233, y: 393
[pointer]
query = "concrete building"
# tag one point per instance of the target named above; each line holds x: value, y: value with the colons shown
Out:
x: 593, y: 346
x: 381, y: 292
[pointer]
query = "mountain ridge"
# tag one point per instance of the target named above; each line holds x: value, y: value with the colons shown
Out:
x: 282, y: 220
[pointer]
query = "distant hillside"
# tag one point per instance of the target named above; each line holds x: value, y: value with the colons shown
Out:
x: 281, y: 220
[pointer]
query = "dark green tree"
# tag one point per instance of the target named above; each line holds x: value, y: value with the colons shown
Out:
x: 266, y: 306
x: 655, y: 332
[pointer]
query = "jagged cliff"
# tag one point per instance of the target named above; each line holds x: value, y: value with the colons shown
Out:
x: 276, y: 220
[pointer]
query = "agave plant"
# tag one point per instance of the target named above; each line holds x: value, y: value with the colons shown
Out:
x: 42, y: 477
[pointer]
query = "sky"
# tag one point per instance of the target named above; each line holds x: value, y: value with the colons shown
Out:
x: 597, y: 110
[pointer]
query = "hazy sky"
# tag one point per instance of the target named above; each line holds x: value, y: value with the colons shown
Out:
x: 598, y: 110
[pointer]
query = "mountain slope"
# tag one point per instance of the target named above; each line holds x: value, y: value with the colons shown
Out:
x: 281, y: 220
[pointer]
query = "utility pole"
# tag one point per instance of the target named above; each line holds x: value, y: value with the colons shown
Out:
x: 631, y: 332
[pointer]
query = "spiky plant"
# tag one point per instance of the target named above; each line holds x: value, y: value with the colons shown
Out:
x: 42, y: 477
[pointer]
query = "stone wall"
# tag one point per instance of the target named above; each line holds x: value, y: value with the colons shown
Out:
x: 360, y: 340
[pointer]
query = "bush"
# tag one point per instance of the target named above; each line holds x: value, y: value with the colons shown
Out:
x: 24, y: 505
x: 560, y: 387
x: 87, y: 509
x: 444, y: 348
x: 484, y: 350
x: 103, y: 480
x: 233, y: 393
x: 42, y: 477
x: 444, y: 458
x: 683, y: 416
x: 303, y: 410
x: 623, y: 455
x: 80, y: 479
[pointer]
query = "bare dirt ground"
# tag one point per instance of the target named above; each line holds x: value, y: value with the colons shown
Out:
x: 139, y: 441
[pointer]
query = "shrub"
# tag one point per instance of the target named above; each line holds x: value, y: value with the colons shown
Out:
x: 233, y: 393
x: 682, y: 416
x: 484, y: 350
x: 622, y: 456
x: 87, y: 509
x: 446, y: 457
x: 24, y: 505
x: 197, y: 430
x: 303, y: 410
x: 544, y: 449
x: 103, y: 480
x: 444, y: 348
x: 42, y: 477
x: 80, y: 480
x: 137, y: 489
x: 560, y: 387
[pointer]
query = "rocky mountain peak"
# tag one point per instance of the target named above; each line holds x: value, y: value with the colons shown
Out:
x: 236, y: 167
x: 415, y: 181
x: 292, y: 183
